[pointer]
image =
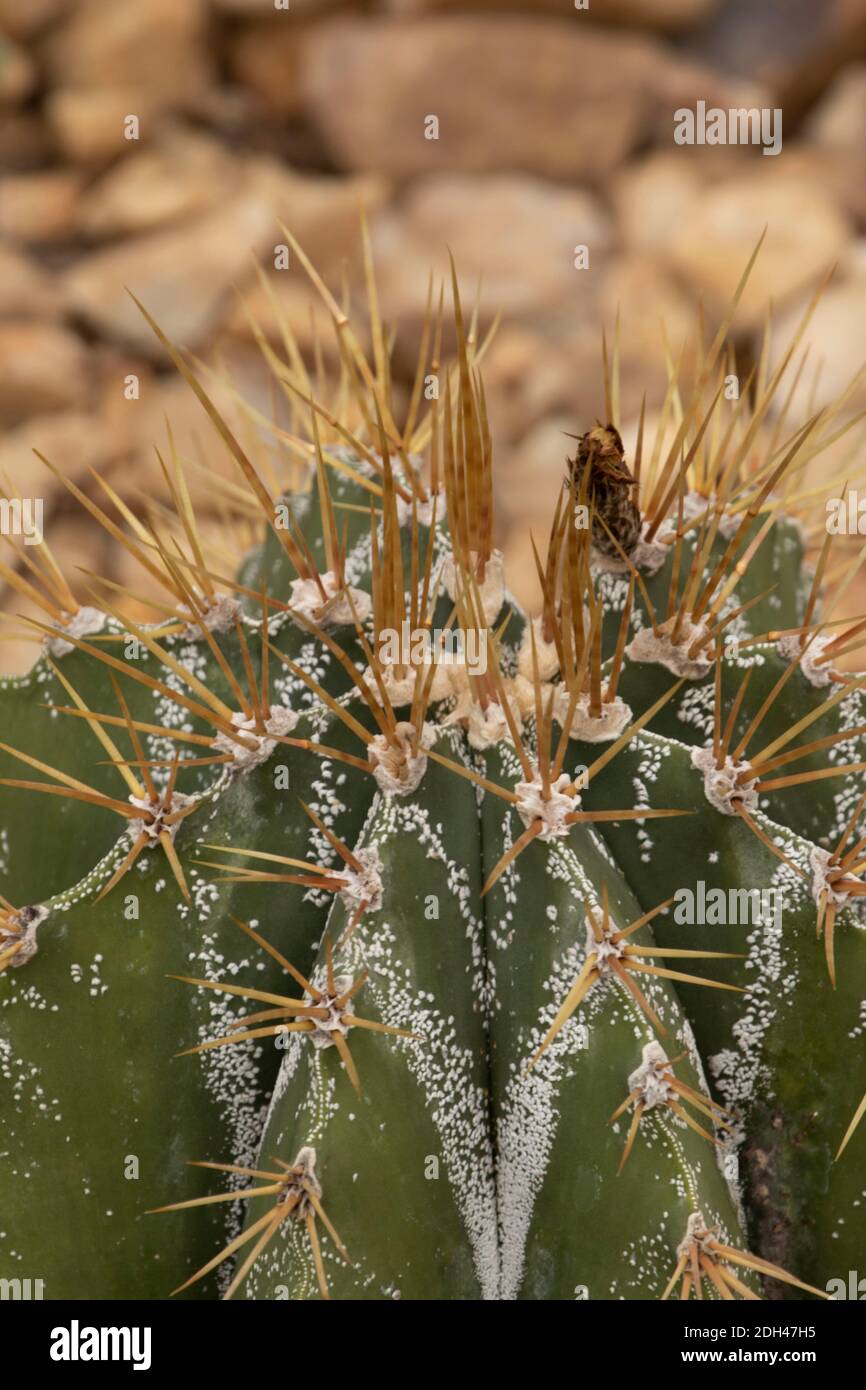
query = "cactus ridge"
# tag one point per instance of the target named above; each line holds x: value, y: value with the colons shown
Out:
x: 402, y: 939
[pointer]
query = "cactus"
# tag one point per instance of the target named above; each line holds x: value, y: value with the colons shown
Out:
x: 524, y: 965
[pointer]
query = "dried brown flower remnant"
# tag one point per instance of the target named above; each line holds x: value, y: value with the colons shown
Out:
x: 599, y: 476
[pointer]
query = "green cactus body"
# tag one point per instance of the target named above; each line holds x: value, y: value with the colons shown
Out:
x: 552, y: 1179
x: 425, y: 927
x: 430, y: 1179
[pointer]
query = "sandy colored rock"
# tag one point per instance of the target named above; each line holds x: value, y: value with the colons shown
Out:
x: 652, y: 425
x: 527, y: 92
x: 90, y: 125
x: 514, y: 234
x: 526, y: 377
x: 839, y: 120
x: 184, y: 277
x: 266, y: 59
x: 828, y: 176
x: 531, y: 480
x: 42, y: 367
x: 322, y: 212
x: 521, y: 571
x: 76, y: 542
x: 660, y: 14
x: 836, y: 335
x: 26, y: 290
x: 17, y: 73
x: 247, y: 8
x: 138, y: 428
x: 509, y: 92
x: 39, y: 207
x: 652, y: 196
x: 109, y: 61
x: 21, y: 20
x: 159, y: 47
x: 285, y: 303
x: 645, y: 297
x: 19, y: 644
x: 70, y: 439
x: 534, y: 474
x: 181, y: 175
x: 836, y: 178
x: 140, y: 425
x: 17, y: 650
x: 650, y: 14
x: 26, y: 141
x: 288, y: 9
x: 712, y: 244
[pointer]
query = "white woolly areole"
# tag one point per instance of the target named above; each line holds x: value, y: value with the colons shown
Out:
x: 491, y: 591
x: 606, y: 949
x: 216, y: 614
x: 696, y: 505
x: 81, y: 624
x: 657, y: 647
x: 364, y: 886
x: 647, y: 556
x: 398, y: 771
x: 400, y: 689
x: 306, y: 1160
x: 488, y: 726
x: 720, y: 784
x: 152, y: 829
x: 819, y: 859
x: 21, y: 932
x: 789, y: 647
x: 323, y: 1033
x: 697, y: 1232
x: 590, y: 728
x: 484, y: 726
x: 729, y: 525
x: 546, y: 657
x: 305, y: 597
x: 531, y: 806
x: 651, y: 1079
x: 423, y: 510
x: 280, y: 721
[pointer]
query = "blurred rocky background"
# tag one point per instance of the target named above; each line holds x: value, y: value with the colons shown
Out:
x: 555, y: 130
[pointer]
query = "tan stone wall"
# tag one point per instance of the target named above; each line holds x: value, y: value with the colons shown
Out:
x: 555, y: 129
